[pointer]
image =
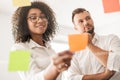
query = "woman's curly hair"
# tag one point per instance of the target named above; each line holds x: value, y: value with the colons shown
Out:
x: 20, y: 27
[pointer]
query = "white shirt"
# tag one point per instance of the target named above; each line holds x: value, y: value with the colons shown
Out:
x: 84, y: 62
x: 40, y: 59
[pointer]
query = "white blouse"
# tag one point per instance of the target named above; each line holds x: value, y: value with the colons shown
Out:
x: 84, y: 62
x: 40, y: 59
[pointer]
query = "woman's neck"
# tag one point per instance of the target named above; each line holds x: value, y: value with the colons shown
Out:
x: 39, y: 40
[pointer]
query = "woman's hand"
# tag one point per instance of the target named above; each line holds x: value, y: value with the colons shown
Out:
x: 62, y: 60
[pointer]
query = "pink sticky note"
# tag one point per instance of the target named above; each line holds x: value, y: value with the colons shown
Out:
x: 111, y: 6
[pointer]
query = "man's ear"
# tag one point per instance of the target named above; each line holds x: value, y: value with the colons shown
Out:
x: 75, y: 27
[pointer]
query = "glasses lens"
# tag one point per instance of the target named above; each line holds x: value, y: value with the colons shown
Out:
x: 43, y: 18
x: 33, y: 18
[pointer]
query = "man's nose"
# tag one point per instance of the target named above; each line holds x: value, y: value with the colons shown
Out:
x: 85, y: 22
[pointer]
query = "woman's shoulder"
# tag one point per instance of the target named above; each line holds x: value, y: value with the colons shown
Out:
x: 19, y: 46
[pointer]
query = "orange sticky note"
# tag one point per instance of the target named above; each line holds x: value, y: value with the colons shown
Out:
x: 111, y: 5
x: 77, y: 42
x: 20, y: 3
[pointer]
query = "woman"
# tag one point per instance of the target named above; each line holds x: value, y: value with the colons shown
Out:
x: 33, y: 27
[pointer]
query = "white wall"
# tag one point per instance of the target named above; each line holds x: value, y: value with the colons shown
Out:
x: 5, y: 45
x: 104, y: 24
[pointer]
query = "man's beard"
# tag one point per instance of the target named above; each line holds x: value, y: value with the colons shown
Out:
x: 91, y: 31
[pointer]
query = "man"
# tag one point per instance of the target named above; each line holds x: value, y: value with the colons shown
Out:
x: 99, y: 61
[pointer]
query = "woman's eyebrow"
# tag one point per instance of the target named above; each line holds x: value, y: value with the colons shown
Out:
x: 36, y: 14
x: 33, y: 14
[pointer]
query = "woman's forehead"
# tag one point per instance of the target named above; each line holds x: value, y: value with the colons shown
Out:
x: 35, y: 11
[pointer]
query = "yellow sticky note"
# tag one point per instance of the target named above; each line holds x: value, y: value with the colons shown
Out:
x: 19, y: 60
x: 20, y: 3
x: 77, y: 42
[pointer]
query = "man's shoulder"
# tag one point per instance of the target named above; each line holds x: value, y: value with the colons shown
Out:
x: 112, y: 36
x: 107, y: 36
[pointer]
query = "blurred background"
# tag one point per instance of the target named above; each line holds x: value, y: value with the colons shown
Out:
x: 105, y: 23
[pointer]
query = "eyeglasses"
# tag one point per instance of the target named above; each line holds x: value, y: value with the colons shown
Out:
x: 34, y: 19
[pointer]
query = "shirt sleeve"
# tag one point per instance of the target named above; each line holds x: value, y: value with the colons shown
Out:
x: 114, y: 56
x: 30, y: 76
x: 114, y: 62
x: 73, y: 73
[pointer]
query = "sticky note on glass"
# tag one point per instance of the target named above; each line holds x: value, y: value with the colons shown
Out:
x: 111, y: 5
x: 19, y: 60
x: 77, y: 42
x: 20, y: 3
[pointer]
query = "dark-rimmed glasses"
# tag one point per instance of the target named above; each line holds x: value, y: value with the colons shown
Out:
x: 35, y: 19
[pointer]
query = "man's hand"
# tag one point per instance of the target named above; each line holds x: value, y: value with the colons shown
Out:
x: 90, y: 37
x: 108, y: 74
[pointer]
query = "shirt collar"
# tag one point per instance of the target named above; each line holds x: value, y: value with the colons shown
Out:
x: 33, y: 44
